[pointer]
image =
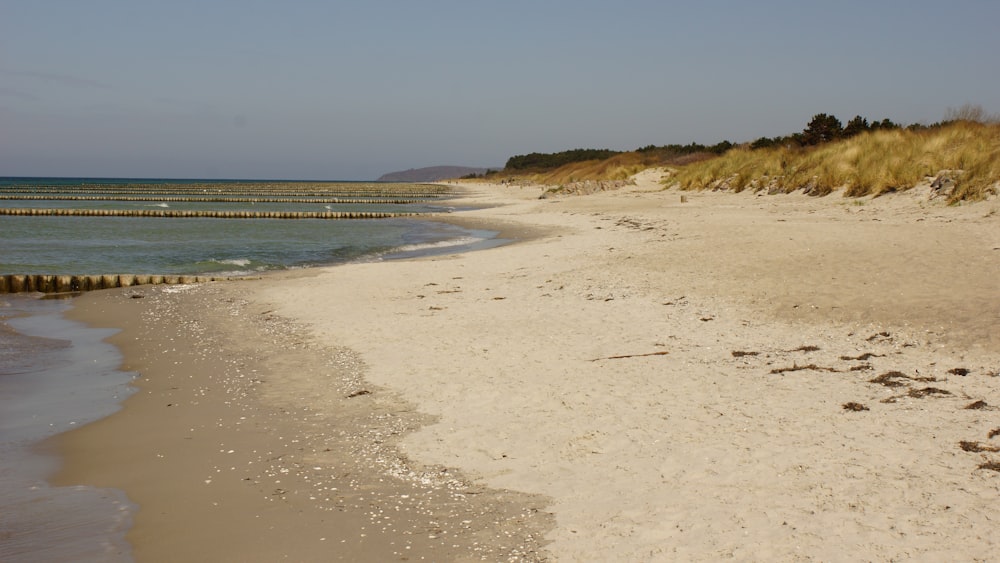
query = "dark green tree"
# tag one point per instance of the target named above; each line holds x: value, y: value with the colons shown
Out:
x: 822, y: 129
x: 721, y: 147
x: 884, y: 124
x: 856, y: 126
x: 541, y: 161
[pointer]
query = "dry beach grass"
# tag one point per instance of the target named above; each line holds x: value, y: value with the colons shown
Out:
x: 736, y: 376
x: 873, y: 163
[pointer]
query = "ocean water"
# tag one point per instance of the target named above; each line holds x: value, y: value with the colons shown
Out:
x: 56, y: 374
x: 74, y: 245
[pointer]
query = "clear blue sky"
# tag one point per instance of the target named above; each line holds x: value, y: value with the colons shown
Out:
x: 351, y: 90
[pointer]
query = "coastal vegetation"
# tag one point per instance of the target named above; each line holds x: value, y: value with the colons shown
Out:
x: 570, y: 166
x: 541, y: 161
x: 963, y: 156
x: 960, y: 154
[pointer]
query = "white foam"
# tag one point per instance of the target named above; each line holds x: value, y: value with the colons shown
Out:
x: 180, y: 288
x: 242, y: 262
x: 461, y: 241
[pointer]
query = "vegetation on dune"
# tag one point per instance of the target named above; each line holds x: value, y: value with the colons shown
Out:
x: 824, y: 128
x: 873, y: 162
x: 962, y: 153
x: 618, y: 167
x: 543, y: 161
x: 599, y: 165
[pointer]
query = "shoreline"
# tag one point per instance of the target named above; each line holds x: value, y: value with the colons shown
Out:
x: 313, y: 484
x: 604, y: 391
x: 226, y: 465
x: 55, y: 375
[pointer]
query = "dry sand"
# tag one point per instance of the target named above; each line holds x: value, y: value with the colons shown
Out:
x: 640, y: 379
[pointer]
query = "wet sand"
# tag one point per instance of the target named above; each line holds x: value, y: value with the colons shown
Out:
x: 646, y: 380
x: 230, y: 457
x: 55, y: 375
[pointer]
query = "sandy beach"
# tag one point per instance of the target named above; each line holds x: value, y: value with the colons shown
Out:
x: 641, y: 377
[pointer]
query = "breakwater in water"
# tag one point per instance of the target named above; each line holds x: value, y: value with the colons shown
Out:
x: 189, y: 213
x: 211, y: 199
x: 46, y: 283
x: 90, y: 186
x: 207, y: 230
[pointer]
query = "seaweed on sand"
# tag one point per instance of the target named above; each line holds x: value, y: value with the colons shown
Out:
x: 890, y: 379
x: 796, y: 367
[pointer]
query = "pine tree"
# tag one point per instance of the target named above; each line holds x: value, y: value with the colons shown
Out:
x: 856, y: 126
x: 823, y: 128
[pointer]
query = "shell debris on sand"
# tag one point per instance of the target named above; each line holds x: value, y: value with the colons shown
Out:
x: 330, y: 452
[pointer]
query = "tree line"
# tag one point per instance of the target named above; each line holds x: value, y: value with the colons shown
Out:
x: 535, y: 160
x: 822, y: 128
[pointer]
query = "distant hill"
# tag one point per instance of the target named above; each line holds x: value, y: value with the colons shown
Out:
x: 430, y: 174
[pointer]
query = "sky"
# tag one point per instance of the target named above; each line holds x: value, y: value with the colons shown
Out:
x: 335, y: 90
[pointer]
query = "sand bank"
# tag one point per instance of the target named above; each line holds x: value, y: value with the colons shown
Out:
x: 650, y: 380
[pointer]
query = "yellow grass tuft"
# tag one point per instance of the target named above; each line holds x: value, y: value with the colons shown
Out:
x: 872, y: 163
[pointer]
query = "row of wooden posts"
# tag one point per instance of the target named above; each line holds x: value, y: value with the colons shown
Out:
x: 45, y: 283
x: 174, y: 213
x: 211, y: 199
x: 421, y: 193
x: 10, y: 193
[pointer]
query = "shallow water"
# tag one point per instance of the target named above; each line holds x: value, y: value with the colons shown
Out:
x: 171, y: 246
x: 54, y: 376
x: 103, y: 245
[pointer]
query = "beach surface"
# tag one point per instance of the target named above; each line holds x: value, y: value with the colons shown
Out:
x: 645, y: 375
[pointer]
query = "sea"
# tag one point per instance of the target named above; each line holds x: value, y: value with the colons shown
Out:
x: 56, y: 374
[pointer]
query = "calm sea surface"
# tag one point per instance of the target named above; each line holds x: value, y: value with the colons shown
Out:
x: 56, y: 375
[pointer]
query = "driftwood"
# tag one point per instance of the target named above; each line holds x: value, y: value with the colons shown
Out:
x: 631, y: 356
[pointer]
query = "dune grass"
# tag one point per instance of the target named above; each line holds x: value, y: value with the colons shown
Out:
x: 618, y: 167
x: 872, y: 163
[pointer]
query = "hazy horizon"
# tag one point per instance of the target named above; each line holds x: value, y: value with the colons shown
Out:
x: 324, y: 91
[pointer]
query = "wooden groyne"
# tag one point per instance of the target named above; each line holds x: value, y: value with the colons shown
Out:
x: 230, y: 193
x: 174, y: 213
x: 45, y: 283
x: 211, y: 199
x: 246, y: 190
